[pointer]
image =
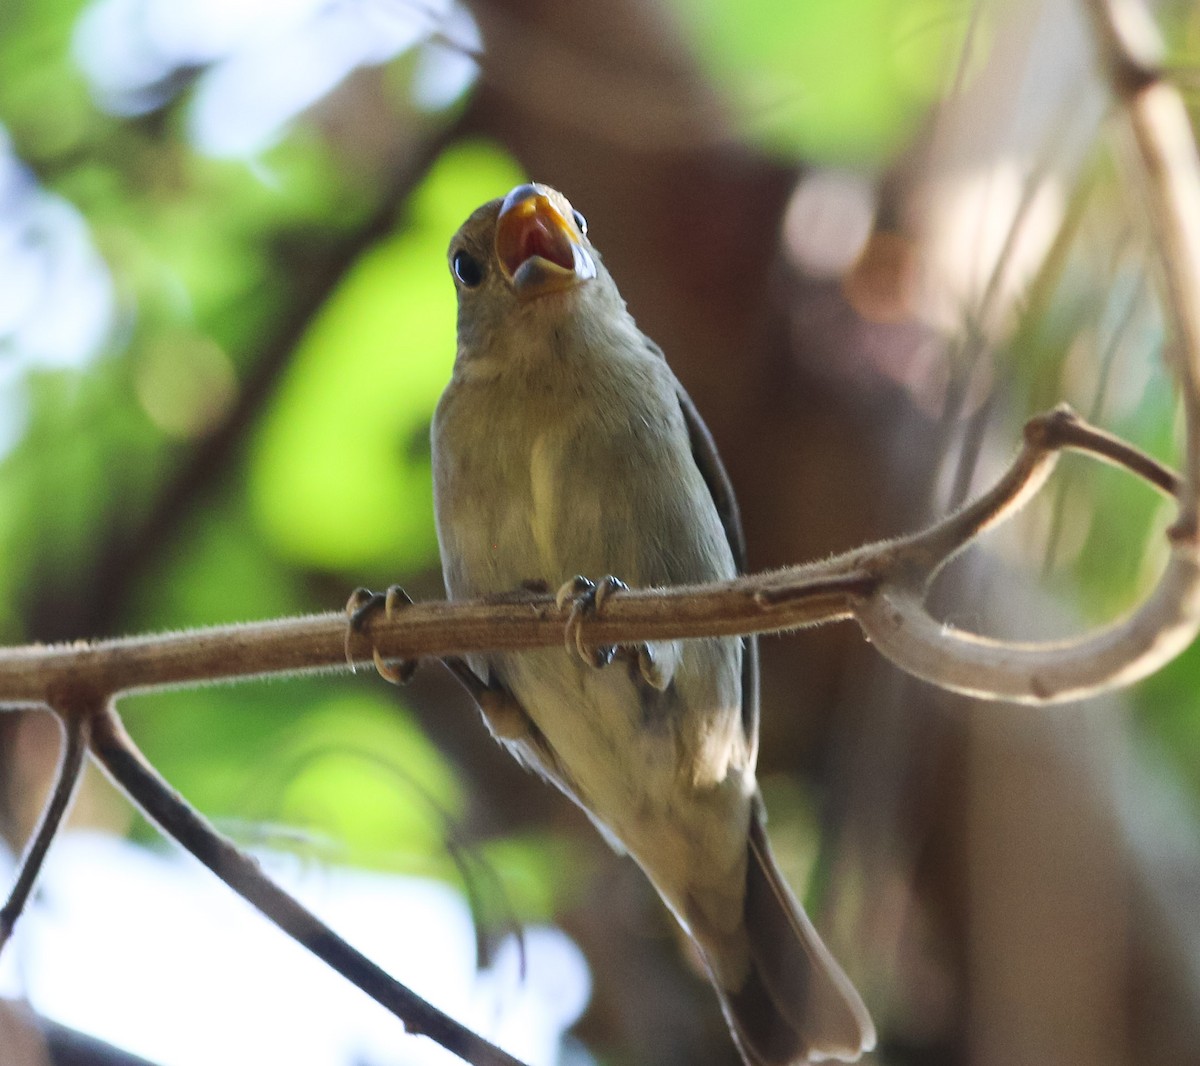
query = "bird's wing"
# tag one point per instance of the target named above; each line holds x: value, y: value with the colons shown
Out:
x: 704, y: 452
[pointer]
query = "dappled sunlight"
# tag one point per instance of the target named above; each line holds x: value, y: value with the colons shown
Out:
x: 124, y: 943
x: 57, y: 298
x: 257, y: 64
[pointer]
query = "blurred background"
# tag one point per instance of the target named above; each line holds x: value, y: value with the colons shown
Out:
x: 873, y: 236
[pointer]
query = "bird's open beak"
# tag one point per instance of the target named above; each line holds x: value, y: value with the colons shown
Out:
x: 538, y: 244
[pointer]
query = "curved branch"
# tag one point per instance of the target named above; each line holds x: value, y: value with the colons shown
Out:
x: 881, y: 586
x: 1046, y: 436
x: 895, y: 619
x: 898, y: 624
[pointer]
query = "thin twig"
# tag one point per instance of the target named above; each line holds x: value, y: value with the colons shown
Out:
x: 1168, y: 171
x: 120, y: 757
x: 1045, y: 437
x: 70, y: 766
x: 1081, y: 436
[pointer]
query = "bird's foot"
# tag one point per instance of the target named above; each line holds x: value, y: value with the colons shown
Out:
x: 587, y: 599
x: 362, y: 604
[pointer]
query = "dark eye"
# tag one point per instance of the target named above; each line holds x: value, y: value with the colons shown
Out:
x: 467, y: 269
x: 581, y: 222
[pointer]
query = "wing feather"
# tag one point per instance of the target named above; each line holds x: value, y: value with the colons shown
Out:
x: 708, y: 461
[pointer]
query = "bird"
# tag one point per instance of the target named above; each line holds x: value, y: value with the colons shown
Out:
x: 566, y: 455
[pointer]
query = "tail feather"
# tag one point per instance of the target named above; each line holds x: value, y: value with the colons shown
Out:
x: 796, y: 1005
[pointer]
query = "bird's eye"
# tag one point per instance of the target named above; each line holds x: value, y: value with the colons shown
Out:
x: 580, y: 221
x: 467, y: 269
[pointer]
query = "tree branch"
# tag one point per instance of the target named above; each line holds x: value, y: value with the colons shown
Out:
x: 70, y: 765
x: 880, y: 586
x: 125, y: 764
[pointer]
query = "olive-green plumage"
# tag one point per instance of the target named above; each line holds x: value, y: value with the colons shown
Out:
x: 564, y: 445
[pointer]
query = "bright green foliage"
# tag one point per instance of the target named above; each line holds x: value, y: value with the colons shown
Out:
x: 341, y: 469
x: 351, y: 779
x: 221, y: 571
x: 838, y: 80
x: 537, y: 873
x: 366, y: 777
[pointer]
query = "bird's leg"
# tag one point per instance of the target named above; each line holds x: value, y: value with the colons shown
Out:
x: 587, y: 600
x: 361, y: 605
x: 505, y: 716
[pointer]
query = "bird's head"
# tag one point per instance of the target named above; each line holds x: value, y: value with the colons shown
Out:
x: 526, y: 257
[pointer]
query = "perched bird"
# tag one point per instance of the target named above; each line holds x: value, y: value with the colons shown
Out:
x: 565, y: 446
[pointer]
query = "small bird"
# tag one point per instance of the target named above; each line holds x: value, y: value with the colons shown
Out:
x: 565, y: 446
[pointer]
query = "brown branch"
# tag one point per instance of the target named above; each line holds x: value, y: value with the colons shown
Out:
x: 881, y: 586
x: 120, y: 757
x: 896, y: 619
x: 70, y: 765
x: 767, y: 603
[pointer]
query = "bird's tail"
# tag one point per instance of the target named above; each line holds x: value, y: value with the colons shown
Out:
x: 796, y: 1005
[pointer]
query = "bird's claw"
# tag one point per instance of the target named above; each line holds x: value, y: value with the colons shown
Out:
x: 361, y: 605
x: 651, y: 669
x: 587, y: 599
